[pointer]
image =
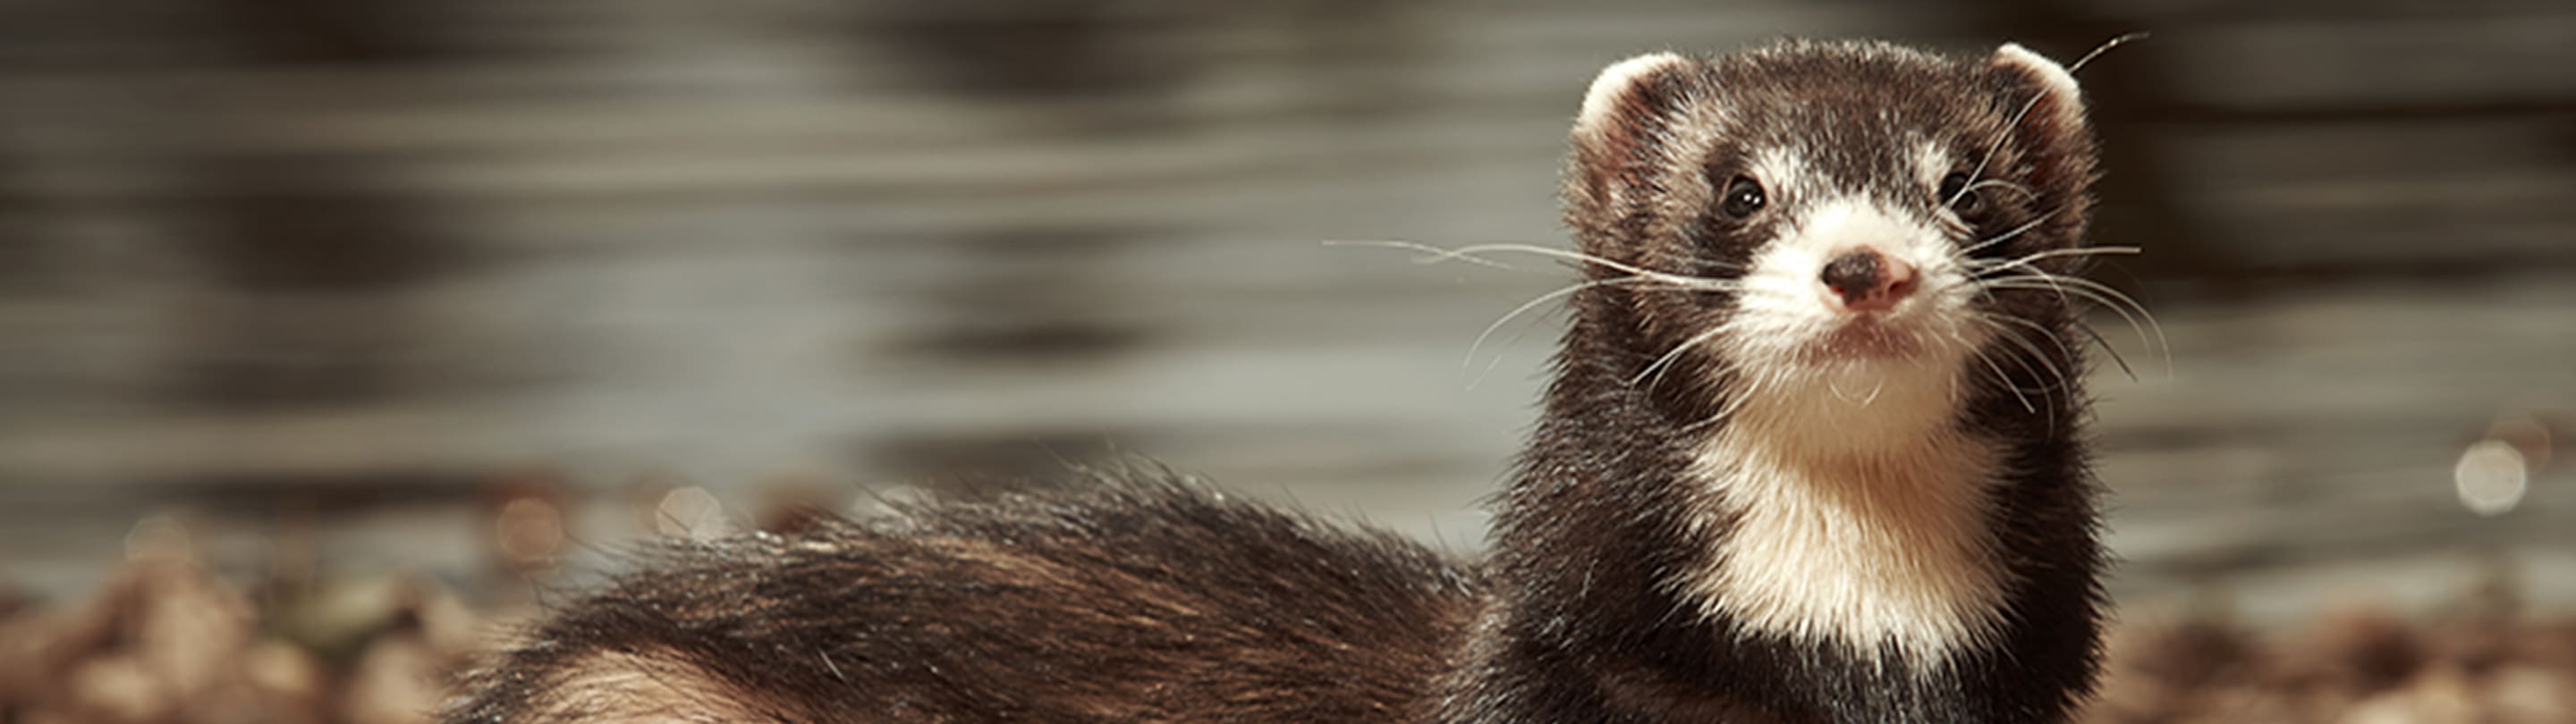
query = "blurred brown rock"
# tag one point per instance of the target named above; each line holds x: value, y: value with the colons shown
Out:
x: 2531, y: 694
x: 2360, y: 651
x: 187, y: 628
x: 115, y: 689
x: 2354, y: 666
x: 166, y: 642
x: 278, y: 684
x: 399, y: 680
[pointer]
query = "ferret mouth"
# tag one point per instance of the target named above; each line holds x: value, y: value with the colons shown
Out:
x: 1865, y: 337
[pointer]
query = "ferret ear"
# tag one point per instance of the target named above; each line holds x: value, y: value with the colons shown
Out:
x: 2041, y: 99
x: 1629, y: 93
x: 2043, y: 83
x: 1622, y: 131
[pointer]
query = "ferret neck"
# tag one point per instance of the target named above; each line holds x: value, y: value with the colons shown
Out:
x: 1644, y: 557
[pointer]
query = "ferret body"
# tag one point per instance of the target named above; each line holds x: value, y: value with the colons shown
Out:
x: 1812, y: 452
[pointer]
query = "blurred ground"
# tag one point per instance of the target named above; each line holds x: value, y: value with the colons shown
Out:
x: 166, y: 642
x: 334, y: 282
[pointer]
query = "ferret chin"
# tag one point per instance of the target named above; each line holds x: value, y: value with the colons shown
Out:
x: 1812, y: 451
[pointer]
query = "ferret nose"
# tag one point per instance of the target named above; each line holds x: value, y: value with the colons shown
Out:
x: 1865, y: 280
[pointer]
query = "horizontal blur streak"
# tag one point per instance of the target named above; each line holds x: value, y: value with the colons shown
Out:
x: 369, y: 267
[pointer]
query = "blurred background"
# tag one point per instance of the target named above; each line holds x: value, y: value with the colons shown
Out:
x: 465, y: 294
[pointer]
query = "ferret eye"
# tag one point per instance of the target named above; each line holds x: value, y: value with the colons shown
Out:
x: 1955, y: 194
x: 1743, y: 197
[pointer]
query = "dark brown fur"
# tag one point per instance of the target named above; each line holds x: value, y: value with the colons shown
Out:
x: 1143, y: 598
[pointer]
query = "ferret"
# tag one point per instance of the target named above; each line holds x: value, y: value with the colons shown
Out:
x: 1813, y: 450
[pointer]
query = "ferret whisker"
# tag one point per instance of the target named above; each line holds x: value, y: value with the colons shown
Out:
x: 2119, y: 302
x: 1760, y: 384
x: 1469, y: 253
x: 2068, y: 353
x: 1436, y: 254
x: 2045, y: 282
x: 2047, y: 391
x: 1655, y: 370
x: 2059, y: 381
x: 1987, y: 359
x: 2105, y: 47
x: 2044, y: 333
x: 2021, y: 280
x: 2025, y: 190
x: 2027, y: 259
x: 1535, y: 303
x: 1681, y: 280
x: 1979, y: 173
x: 2006, y: 236
x: 2041, y: 384
x: 2143, y: 331
x: 2049, y: 283
x: 2116, y: 357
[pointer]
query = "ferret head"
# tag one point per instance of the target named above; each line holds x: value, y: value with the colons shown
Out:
x: 1842, y: 234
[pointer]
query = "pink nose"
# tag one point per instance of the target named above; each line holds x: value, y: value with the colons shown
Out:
x: 1864, y: 280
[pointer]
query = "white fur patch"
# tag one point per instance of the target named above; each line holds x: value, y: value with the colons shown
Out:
x: 1865, y: 551
x: 1614, y: 82
x: 1858, y: 510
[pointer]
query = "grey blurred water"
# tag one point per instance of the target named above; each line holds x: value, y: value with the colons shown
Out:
x: 355, y: 263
